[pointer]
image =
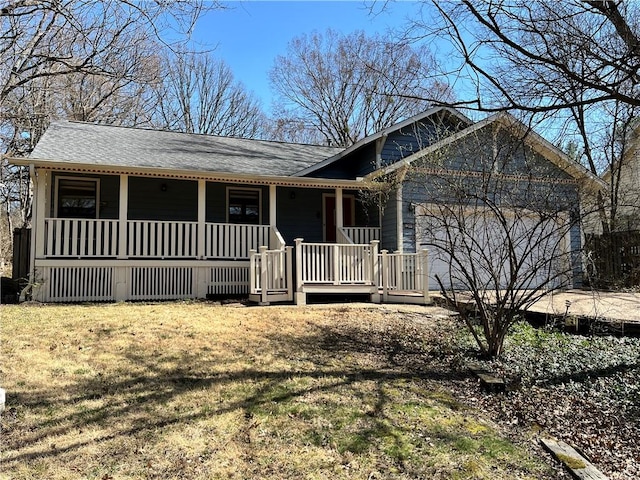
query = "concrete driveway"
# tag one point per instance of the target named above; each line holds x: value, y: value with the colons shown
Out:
x: 595, y: 304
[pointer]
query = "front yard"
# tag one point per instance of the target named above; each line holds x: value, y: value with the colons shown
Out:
x: 202, y: 390
x: 198, y: 390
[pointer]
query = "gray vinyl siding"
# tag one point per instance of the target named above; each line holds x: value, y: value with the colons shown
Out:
x: 389, y: 235
x: 413, y: 138
x: 109, y: 196
x: 405, y: 142
x: 300, y: 214
x: 367, y: 207
x: 432, y: 190
x: 513, y: 174
x: 397, y: 145
x: 575, y: 236
x: 356, y: 164
x: 163, y: 199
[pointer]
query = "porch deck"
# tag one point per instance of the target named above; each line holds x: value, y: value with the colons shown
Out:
x: 339, y: 269
x: 112, y: 260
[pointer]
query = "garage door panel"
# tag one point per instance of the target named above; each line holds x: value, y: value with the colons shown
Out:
x: 480, y: 248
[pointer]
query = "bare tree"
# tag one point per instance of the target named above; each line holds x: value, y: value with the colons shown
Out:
x: 43, y: 39
x: 292, y: 129
x: 500, y: 223
x: 85, y: 60
x: 572, y: 66
x: 200, y: 95
x: 591, y: 44
x: 348, y: 87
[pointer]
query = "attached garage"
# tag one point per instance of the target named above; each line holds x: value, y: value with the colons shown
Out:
x: 494, y: 249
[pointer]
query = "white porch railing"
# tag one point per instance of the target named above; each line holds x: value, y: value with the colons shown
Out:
x: 361, y: 235
x: 86, y: 238
x: 228, y: 240
x: 71, y: 237
x: 336, y: 264
x: 161, y: 239
x: 404, y: 272
x: 342, y: 237
x: 358, y: 268
x: 270, y: 275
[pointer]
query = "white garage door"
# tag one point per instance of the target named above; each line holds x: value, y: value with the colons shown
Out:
x: 521, y: 250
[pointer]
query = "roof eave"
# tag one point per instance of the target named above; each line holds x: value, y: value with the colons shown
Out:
x: 305, y: 182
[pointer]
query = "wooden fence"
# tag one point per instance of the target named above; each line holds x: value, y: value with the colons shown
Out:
x: 21, y: 254
x: 613, y: 260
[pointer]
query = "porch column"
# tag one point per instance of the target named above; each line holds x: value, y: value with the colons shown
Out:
x: 120, y: 274
x: 123, y: 216
x: 272, y: 205
x: 201, y: 287
x: 202, y: 218
x: 399, y: 220
x: 41, y: 208
x: 339, y: 207
x: 43, y: 192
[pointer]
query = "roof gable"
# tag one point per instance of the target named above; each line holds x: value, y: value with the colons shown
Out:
x: 528, y: 136
x: 366, y: 142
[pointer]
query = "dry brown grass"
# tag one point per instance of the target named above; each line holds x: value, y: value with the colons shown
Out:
x: 196, y: 390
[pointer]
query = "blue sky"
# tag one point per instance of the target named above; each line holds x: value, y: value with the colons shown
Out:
x: 249, y: 35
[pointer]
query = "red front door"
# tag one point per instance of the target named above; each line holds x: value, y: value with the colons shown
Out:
x: 330, y: 215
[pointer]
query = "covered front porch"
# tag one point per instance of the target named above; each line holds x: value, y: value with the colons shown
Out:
x: 117, y: 237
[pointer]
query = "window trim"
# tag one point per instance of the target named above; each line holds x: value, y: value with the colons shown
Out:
x: 56, y: 199
x: 259, y: 190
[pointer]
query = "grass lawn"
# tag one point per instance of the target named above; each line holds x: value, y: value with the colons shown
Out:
x: 198, y: 390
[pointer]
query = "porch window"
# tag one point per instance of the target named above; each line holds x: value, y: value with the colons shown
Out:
x: 77, y: 198
x: 244, y: 206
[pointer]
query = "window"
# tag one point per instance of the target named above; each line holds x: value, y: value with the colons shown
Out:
x: 244, y: 206
x: 77, y: 198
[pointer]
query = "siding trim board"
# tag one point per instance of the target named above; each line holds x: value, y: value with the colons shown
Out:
x: 500, y: 176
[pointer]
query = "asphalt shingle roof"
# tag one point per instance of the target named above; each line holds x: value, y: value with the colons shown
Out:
x: 105, y: 145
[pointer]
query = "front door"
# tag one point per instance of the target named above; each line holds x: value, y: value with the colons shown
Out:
x: 348, y: 210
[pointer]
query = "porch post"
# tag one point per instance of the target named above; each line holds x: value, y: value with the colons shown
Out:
x: 375, y: 266
x: 264, y: 284
x: 38, y: 231
x: 253, y: 277
x: 42, y: 208
x: 289, y: 267
x: 202, y: 218
x: 272, y: 205
x: 424, y: 264
x: 385, y: 275
x: 121, y: 272
x: 201, y: 248
x: 399, y: 220
x: 123, y: 216
x: 339, y: 212
x: 301, y: 297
